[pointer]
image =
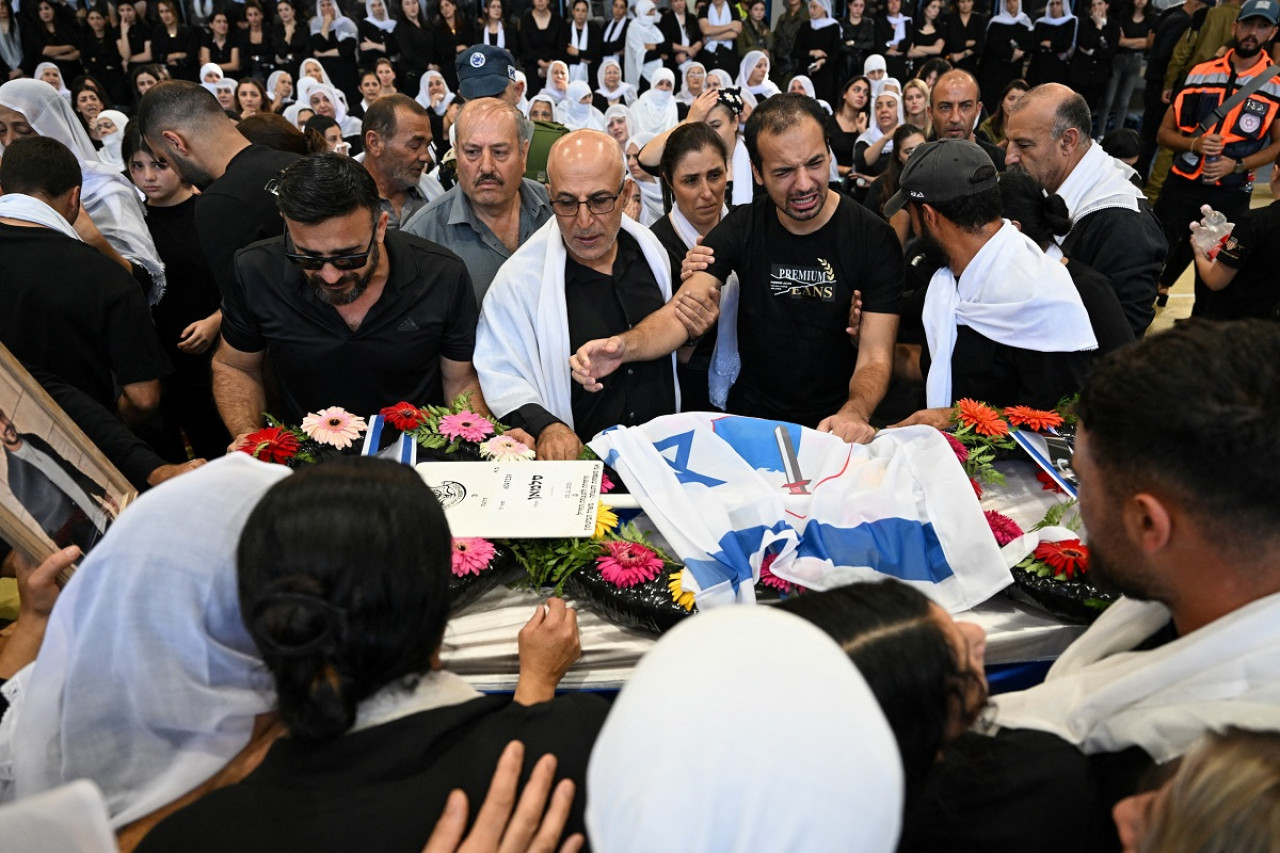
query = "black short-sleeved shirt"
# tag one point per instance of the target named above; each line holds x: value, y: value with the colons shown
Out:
x: 237, y: 209
x: 427, y: 310
x: 600, y: 306
x: 66, y: 308
x: 1252, y: 250
x: 794, y: 305
x: 1003, y: 375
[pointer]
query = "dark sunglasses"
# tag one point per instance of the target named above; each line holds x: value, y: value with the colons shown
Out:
x: 316, y: 262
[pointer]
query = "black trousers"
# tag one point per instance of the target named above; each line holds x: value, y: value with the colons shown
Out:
x: 1178, y: 207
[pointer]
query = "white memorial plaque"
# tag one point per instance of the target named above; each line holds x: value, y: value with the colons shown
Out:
x: 517, y: 500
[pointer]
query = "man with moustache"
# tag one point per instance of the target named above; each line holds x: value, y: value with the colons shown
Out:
x: 493, y: 209
x: 352, y: 314
x: 801, y: 251
x: 184, y: 126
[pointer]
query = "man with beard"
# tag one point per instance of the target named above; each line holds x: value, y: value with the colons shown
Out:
x: 955, y: 102
x: 1112, y: 229
x: 397, y: 152
x: 1216, y: 166
x: 1176, y: 459
x: 184, y: 125
x: 351, y: 313
x: 1004, y: 323
x: 493, y: 209
x: 800, y: 252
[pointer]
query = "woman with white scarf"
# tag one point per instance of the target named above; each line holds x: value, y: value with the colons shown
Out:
x: 376, y: 34
x: 542, y: 107
x: 557, y: 81
x: 802, y: 85
x: 612, y: 89
x: 576, y: 112
x: 1052, y: 42
x: 894, y: 33
x: 651, y: 207
x: 836, y: 784
x: 225, y: 91
x: 721, y: 110
x: 110, y: 125
x: 817, y: 48
x: 434, y: 93
x: 51, y: 74
x: 618, y: 124
x: 335, y: 38
x: 693, y: 80
x: 105, y: 195
x: 753, y: 76
x: 1008, y: 42
x: 325, y: 101
x: 877, y: 140
x: 656, y: 110
x: 643, y: 40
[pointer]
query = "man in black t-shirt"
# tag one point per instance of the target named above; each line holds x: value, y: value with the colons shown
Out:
x: 1244, y: 280
x: 800, y: 254
x: 352, y: 315
x: 183, y: 124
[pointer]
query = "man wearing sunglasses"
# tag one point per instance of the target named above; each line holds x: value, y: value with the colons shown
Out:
x: 352, y: 314
x: 589, y: 272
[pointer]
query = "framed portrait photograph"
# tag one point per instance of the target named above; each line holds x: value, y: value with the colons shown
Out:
x: 56, y: 487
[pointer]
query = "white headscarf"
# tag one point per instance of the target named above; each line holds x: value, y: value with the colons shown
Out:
x: 1067, y: 15
x: 685, y: 96
x: 271, y: 87
x: 873, y: 133
x: 147, y: 683
x: 834, y: 782
x: 347, y: 125
x: 386, y: 23
x: 655, y: 111
x: 342, y: 26
x: 826, y: 20
x: 225, y: 84
x: 1003, y: 17
x: 545, y: 98
x: 523, y: 106
x: 642, y: 30
x: 112, y: 142
x: 424, y: 98
x: 291, y: 112
x: 62, y: 84
x: 302, y: 74
x: 726, y: 82
x: 575, y: 115
x: 625, y: 90
x: 105, y: 194
x: 651, y: 207
x: 557, y: 95
x: 625, y: 112
x: 767, y: 89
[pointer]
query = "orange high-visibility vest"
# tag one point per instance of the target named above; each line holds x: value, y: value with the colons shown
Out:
x: 1244, y: 129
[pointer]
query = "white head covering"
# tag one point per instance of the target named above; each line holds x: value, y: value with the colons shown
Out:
x: 291, y: 111
x: 271, y: 88
x: 807, y: 85
x: 873, y: 132
x: 833, y: 783
x: 424, y: 98
x: 339, y: 104
x: 826, y: 20
x: 685, y: 96
x: 641, y: 31
x: 147, y: 683
x: 726, y: 82
x: 523, y: 106
x: 302, y: 74
x: 62, y: 84
x: 655, y: 111
x: 557, y: 95
x: 226, y: 84
x: 386, y: 23
x: 575, y: 115
x: 767, y: 89
x: 342, y: 26
x: 651, y: 202
x: 624, y: 90
x: 545, y: 98
x: 210, y: 68
x: 1067, y: 15
x: 874, y: 62
x: 105, y: 194
x: 1003, y: 16
x: 112, y: 142
x: 625, y: 112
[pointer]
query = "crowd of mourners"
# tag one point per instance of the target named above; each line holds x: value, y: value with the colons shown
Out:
x: 587, y: 216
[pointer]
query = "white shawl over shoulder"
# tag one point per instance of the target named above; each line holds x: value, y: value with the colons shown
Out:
x: 522, y: 341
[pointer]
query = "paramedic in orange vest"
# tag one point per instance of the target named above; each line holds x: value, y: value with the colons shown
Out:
x: 1216, y: 168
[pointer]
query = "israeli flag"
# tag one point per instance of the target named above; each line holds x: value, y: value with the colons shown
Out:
x: 726, y: 491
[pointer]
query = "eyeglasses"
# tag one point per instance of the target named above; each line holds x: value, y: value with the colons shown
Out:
x: 599, y: 203
x: 340, y: 262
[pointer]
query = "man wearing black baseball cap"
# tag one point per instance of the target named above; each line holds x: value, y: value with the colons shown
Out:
x: 1003, y: 322
x: 485, y: 71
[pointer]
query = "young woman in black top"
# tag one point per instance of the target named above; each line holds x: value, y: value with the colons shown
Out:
x: 493, y: 27
x: 134, y: 37
x: 417, y: 45
x: 1137, y: 25
x: 289, y: 38
x: 256, y: 58
x: 100, y: 55
x: 173, y: 44
x: 851, y: 118
x: 53, y: 39
x: 455, y: 32
x: 966, y: 35
x: 927, y: 38
x: 893, y: 38
x: 1096, y: 43
x: 859, y: 33
x: 541, y: 35
x: 219, y: 48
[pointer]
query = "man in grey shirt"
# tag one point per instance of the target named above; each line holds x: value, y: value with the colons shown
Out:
x: 397, y: 153
x: 493, y: 209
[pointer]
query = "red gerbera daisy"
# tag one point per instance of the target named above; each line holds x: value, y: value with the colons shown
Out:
x: 984, y: 419
x: 404, y: 416
x: 1066, y: 558
x: 1036, y: 419
x: 1003, y: 527
x: 271, y: 444
x: 1049, y: 484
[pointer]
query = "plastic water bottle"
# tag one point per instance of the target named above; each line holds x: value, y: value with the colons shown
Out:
x: 1207, y: 160
x: 1211, y: 231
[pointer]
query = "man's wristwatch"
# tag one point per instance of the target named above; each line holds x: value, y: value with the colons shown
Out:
x: 1240, y: 168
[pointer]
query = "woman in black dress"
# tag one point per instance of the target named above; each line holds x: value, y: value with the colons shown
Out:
x: 859, y: 33
x: 850, y: 120
x: 493, y: 27
x: 219, y: 48
x: 100, y: 54
x: 455, y: 32
x: 927, y: 37
x: 53, y: 38
x: 377, y: 34
x: 966, y: 35
x: 541, y: 36
x: 1005, y: 55
x: 173, y: 44
x: 290, y: 39
x: 254, y: 40
x: 893, y: 38
x: 334, y: 39
x: 1096, y: 44
x: 816, y: 52
x: 417, y: 45
x: 1053, y: 40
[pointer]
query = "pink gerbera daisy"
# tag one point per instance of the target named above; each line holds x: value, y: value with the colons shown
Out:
x: 1003, y: 527
x: 467, y: 426
x: 504, y: 448
x: 769, y: 579
x: 334, y: 426
x: 606, y: 485
x: 471, y: 555
x: 625, y: 564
